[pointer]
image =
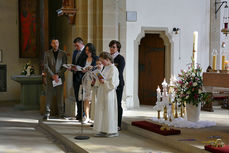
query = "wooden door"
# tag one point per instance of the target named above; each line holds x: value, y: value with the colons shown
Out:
x: 151, y: 68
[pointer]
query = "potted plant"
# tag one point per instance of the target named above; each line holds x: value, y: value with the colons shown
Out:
x: 189, y: 92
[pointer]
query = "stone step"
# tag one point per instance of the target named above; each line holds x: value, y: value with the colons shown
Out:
x: 126, y: 142
x: 170, y: 141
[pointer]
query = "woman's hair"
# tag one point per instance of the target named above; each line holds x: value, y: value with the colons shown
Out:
x: 106, y: 55
x: 91, y: 49
x: 118, y: 44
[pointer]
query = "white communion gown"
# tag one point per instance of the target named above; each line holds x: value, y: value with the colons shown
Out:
x: 106, y: 111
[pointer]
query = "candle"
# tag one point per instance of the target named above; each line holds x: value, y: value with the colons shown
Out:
x: 214, y: 62
x: 195, y: 43
x: 223, y: 62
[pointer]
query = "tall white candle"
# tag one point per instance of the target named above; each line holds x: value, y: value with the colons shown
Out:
x: 195, y: 44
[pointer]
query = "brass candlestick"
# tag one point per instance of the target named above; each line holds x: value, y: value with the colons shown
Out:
x: 173, y: 109
x: 184, y: 109
x: 158, y: 115
x: 165, y: 113
x: 170, y: 119
x: 181, y: 110
x: 176, y: 114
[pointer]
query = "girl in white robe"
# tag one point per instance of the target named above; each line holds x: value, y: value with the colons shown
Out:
x: 95, y: 84
x: 106, y: 111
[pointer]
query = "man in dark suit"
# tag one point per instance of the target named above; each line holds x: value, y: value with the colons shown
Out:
x: 53, y: 64
x: 119, y: 62
x: 78, y: 58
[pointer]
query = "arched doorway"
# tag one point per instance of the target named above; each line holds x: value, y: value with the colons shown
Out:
x: 151, y: 67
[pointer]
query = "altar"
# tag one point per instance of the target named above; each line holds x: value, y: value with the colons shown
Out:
x: 214, y: 79
x: 30, y: 91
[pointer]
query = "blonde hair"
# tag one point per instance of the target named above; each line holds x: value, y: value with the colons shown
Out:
x: 106, y: 55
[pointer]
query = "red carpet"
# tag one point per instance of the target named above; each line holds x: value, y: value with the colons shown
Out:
x: 224, y: 149
x: 155, y: 128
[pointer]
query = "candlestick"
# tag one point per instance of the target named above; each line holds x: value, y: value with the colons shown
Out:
x: 184, y: 109
x: 158, y: 114
x: 223, y: 62
x: 165, y: 113
x: 176, y: 114
x: 181, y: 111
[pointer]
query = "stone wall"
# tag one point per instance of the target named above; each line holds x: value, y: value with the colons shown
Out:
x: 9, y: 36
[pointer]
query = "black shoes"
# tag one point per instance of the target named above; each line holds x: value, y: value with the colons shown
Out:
x: 78, y: 118
x: 62, y: 117
x: 45, y: 118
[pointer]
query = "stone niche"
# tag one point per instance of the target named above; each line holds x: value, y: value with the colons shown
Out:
x: 3, y: 78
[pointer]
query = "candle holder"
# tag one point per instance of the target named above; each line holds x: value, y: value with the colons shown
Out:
x: 181, y: 111
x: 165, y: 113
x: 173, y: 109
x: 158, y: 114
x: 176, y: 113
x: 170, y: 119
x: 184, y: 109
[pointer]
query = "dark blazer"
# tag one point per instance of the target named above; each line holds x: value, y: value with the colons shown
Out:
x: 119, y: 62
x: 93, y: 63
x: 53, y: 66
x: 77, y: 76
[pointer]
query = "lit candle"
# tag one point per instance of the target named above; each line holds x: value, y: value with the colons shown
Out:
x: 214, y: 62
x: 195, y: 44
x: 223, y: 62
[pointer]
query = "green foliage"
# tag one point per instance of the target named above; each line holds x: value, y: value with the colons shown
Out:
x: 189, y: 86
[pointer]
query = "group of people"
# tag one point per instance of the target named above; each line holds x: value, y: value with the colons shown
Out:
x: 103, y: 89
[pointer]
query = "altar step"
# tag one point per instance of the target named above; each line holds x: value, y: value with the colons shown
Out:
x: 64, y: 132
x: 170, y: 141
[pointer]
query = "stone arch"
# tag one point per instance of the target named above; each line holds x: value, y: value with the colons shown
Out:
x: 169, y: 51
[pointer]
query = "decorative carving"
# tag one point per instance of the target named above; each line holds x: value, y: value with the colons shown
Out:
x: 68, y: 9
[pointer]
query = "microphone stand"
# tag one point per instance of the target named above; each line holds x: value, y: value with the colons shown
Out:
x: 81, y: 136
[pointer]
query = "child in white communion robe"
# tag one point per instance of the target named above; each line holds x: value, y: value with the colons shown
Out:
x: 95, y: 85
x: 106, y: 112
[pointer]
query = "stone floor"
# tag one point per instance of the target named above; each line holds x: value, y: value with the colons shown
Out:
x: 19, y: 133
x: 138, y: 140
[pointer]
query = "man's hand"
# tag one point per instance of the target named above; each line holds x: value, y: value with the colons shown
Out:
x: 73, y: 68
x: 84, y: 71
x: 55, y: 77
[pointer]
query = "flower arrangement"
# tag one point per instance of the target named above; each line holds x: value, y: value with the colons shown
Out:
x: 189, y: 86
x: 28, y: 69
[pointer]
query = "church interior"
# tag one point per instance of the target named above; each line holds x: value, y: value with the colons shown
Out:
x: 176, y: 93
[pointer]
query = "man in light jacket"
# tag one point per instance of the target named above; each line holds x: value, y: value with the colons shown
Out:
x: 53, y: 63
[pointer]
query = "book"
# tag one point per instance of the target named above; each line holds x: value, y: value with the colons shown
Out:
x: 98, y: 74
x: 67, y: 65
x: 77, y: 67
x: 54, y: 83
